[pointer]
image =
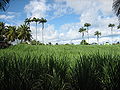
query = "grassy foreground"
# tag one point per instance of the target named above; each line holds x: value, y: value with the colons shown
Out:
x: 60, y: 67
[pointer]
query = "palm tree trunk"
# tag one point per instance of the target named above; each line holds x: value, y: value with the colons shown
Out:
x: 36, y: 33
x: 88, y: 34
x: 112, y: 34
x: 83, y: 37
x: 42, y: 32
x: 98, y: 39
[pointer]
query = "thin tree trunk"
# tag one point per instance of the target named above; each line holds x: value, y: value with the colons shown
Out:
x: 42, y: 32
x: 36, y: 33
x: 88, y: 34
x: 83, y: 38
x: 83, y: 35
x: 112, y: 34
x: 98, y: 39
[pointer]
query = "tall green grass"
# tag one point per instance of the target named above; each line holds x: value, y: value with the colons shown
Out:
x: 70, y: 67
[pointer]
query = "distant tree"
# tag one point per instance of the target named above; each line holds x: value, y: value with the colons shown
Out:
x: 97, y: 33
x: 3, y: 4
x: 111, y: 26
x: 82, y: 30
x: 49, y: 43
x: 56, y: 44
x: 83, y: 42
x: 42, y: 20
x: 87, y: 25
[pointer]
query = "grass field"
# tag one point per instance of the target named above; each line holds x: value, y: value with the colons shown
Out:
x: 60, y: 67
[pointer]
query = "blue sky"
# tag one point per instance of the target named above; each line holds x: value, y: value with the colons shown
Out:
x: 65, y: 17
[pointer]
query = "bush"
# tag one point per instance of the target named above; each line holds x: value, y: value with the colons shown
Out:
x: 83, y: 42
x: 34, y: 42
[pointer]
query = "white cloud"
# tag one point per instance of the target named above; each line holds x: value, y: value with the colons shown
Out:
x: 36, y: 8
x: 6, y: 17
x: 97, y: 12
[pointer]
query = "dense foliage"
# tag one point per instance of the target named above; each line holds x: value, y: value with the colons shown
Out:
x: 60, y: 67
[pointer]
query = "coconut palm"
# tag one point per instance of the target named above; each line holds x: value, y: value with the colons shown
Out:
x: 42, y: 20
x: 87, y: 25
x: 82, y: 30
x: 27, y: 21
x: 11, y: 34
x: 3, y: 30
x: 98, y: 34
x: 111, y: 26
x: 24, y: 33
x: 3, y: 4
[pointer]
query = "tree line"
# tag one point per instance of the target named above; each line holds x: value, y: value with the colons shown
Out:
x: 85, y: 29
x: 21, y: 33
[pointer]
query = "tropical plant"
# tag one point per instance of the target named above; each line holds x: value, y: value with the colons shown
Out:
x: 97, y: 33
x: 2, y: 31
x: 3, y: 4
x: 11, y: 34
x: 42, y: 20
x: 87, y: 25
x: 111, y: 26
x: 24, y: 33
x: 82, y: 30
x: 27, y: 21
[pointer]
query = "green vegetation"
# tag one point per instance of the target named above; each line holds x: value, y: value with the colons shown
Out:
x: 97, y: 33
x: 60, y: 67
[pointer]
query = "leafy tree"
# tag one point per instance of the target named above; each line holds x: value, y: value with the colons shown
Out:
x: 87, y: 25
x: 42, y: 20
x: 97, y: 33
x: 111, y: 26
x: 24, y: 33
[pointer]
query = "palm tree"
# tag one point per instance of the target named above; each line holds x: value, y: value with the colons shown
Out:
x: 2, y: 31
x: 97, y: 33
x: 11, y: 34
x: 116, y: 7
x: 82, y: 30
x: 42, y: 20
x: 36, y: 20
x: 87, y: 25
x: 3, y: 4
x: 111, y: 26
x: 27, y: 21
x: 24, y: 33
